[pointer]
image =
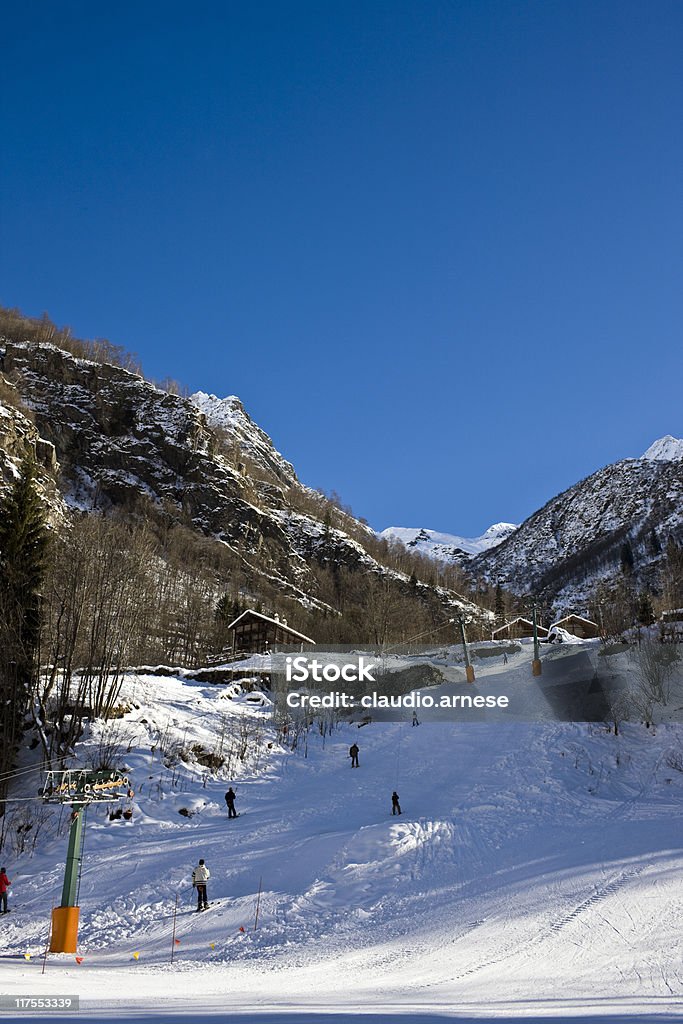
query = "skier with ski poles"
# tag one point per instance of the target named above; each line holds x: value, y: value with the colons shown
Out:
x: 230, y: 801
x: 200, y: 877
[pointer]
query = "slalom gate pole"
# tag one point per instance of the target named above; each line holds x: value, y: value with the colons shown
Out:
x: 175, y: 914
x: 47, y: 945
x: 258, y: 901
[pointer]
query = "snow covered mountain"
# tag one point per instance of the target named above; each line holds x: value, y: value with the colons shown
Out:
x: 448, y: 547
x: 114, y: 442
x: 665, y: 449
x: 228, y: 415
x: 623, y: 514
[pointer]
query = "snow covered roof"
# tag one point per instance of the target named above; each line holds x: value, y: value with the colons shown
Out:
x: 520, y: 619
x: 575, y: 618
x: 276, y: 622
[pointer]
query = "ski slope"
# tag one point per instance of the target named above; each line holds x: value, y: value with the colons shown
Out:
x: 530, y: 876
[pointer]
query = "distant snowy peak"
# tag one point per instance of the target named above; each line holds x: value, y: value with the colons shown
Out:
x: 228, y: 414
x: 448, y: 547
x: 495, y: 534
x: 666, y: 449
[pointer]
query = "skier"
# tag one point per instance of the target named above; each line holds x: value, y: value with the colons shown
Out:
x: 353, y: 754
x: 505, y: 658
x: 395, y: 805
x: 4, y: 886
x: 415, y: 718
x: 200, y: 877
x: 230, y: 801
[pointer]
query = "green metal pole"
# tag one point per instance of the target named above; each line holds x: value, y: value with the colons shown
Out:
x: 73, y: 856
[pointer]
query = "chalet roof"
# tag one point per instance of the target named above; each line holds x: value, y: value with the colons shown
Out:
x: 520, y: 618
x: 275, y: 622
x: 575, y: 618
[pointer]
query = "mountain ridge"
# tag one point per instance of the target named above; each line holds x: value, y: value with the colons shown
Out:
x: 120, y: 444
x: 446, y: 546
x: 624, y: 513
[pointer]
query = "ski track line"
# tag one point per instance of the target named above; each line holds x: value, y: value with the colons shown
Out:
x: 602, y: 893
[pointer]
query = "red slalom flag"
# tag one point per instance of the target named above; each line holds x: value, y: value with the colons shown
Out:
x: 79, y: 959
x: 241, y: 928
x: 177, y: 942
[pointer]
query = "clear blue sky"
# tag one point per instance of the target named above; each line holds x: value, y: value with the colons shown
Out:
x: 435, y: 247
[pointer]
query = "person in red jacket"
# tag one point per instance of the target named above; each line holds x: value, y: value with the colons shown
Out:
x: 4, y: 886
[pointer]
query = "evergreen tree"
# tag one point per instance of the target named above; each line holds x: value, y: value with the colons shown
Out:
x: 499, y: 606
x: 645, y: 610
x: 627, y: 559
x: 23, y: 549
x: 224, y: 609
x: 672, y: 575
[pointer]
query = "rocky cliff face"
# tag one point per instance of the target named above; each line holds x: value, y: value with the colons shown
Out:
x: 124, y: 444
x: 625, y: 512
x: 19, y: 440
x: 229, y: 417
x: 121, y: 442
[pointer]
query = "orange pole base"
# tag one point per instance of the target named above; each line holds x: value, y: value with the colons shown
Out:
x: 469, y: 672
x: 536, y: 667
x: 64, y: 936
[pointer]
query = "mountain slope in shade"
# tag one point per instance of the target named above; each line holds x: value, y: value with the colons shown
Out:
x: 630, y: 509
x: 448, y: 547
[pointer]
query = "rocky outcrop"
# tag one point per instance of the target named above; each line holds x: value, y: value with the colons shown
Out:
x: 125, y: 444
x: 119, y: 438
x: 19, y: 440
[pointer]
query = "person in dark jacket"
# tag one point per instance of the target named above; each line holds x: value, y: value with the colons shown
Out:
x: 353, y: 754
x: 4, y: 886
x: 230, y: 801
x: 200, y: 876
x: 395, y: 805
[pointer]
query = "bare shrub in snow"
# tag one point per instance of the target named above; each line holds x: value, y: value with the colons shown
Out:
x: 655, y: 665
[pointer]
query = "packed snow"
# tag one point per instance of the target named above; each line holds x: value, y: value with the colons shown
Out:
x: 536, y: 871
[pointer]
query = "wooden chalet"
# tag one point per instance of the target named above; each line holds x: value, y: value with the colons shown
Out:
x: 585, y: 629
x: 254, y: 633
x: 518, y: 629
